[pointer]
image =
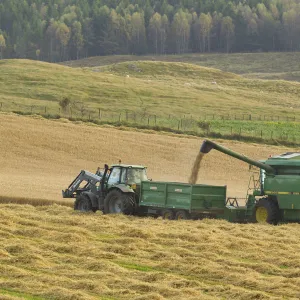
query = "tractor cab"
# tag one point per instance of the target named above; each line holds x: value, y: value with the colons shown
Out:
x: 129, y: 175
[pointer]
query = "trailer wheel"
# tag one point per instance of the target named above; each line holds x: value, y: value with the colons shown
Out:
x: 267, y: 211
x: 182, y: 215
x: 83, y: 203
x: 117, y: 202
x: 168, y: 214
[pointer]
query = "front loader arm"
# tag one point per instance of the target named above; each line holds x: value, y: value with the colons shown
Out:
x: 89, y: 177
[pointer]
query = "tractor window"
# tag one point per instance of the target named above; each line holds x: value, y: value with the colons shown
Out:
x: 123, y: 176
x: 114, y: 176
x: 136, y: 175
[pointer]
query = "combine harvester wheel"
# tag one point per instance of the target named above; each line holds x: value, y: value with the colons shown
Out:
x: 267, y: 211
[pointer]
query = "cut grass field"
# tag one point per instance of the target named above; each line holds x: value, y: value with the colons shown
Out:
x: 53, y: 252
x: 56, y: 253
x: 160, y: 88
x: 279, y: 65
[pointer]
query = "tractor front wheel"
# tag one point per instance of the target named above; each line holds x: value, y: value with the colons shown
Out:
x: 83, y: 203
x: 117, y: 202
x: 267, y: 211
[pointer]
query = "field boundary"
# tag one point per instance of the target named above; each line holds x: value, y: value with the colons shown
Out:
x: 202, y: 129
x: 34, y: 201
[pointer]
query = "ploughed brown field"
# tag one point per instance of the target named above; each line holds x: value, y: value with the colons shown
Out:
x: 41, y: 157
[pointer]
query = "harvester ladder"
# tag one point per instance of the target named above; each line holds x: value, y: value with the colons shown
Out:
x: 254, y: 184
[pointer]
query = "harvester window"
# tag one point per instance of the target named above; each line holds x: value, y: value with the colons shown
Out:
x: 114, y: 176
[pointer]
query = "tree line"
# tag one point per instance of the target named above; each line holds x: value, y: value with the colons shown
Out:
x: 58, y: 30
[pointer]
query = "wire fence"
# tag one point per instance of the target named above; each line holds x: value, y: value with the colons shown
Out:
x: 235, y: 126
x: 83, y: 111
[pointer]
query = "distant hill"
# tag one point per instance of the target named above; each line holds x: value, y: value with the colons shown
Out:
x: 276, y: 66
x: 155, y: 87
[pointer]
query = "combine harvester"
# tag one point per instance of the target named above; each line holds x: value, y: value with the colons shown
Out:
x: 273, y: 197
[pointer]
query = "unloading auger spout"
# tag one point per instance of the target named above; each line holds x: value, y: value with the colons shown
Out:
x: 208, y: 145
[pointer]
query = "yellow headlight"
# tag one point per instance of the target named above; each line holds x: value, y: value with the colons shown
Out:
x: 133, y: 186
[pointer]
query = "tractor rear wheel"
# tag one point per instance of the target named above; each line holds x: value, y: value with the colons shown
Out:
x: 182, y: 215
x: 117, y: 202
x: 168, y: 214
x: 267, y: 211
x: 83, y: 203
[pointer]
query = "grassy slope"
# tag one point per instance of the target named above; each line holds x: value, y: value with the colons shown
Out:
x: 282, y: 65
x: 55, y: 253
x: 155, y: 87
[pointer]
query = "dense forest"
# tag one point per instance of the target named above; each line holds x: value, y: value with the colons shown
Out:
x: 57, y: 30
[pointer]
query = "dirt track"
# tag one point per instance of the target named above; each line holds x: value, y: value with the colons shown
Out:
x: 39, y: 158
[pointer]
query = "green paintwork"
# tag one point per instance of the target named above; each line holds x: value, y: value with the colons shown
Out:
x: 200, y: 200
x: 183, y: 196
x: 123, y: 187
x: 279, y: 181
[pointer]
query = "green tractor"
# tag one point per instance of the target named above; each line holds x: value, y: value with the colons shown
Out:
x: 114, y: 190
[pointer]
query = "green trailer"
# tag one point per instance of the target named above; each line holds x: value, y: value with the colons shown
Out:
x: 173, y: 200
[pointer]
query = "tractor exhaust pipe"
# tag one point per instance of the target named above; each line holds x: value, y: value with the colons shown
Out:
x: 208, y: 145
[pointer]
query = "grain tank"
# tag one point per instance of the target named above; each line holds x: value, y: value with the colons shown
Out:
x: 277, y: 196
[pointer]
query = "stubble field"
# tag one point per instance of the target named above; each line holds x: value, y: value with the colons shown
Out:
x: 53, y: 252
x: 39, y: 157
